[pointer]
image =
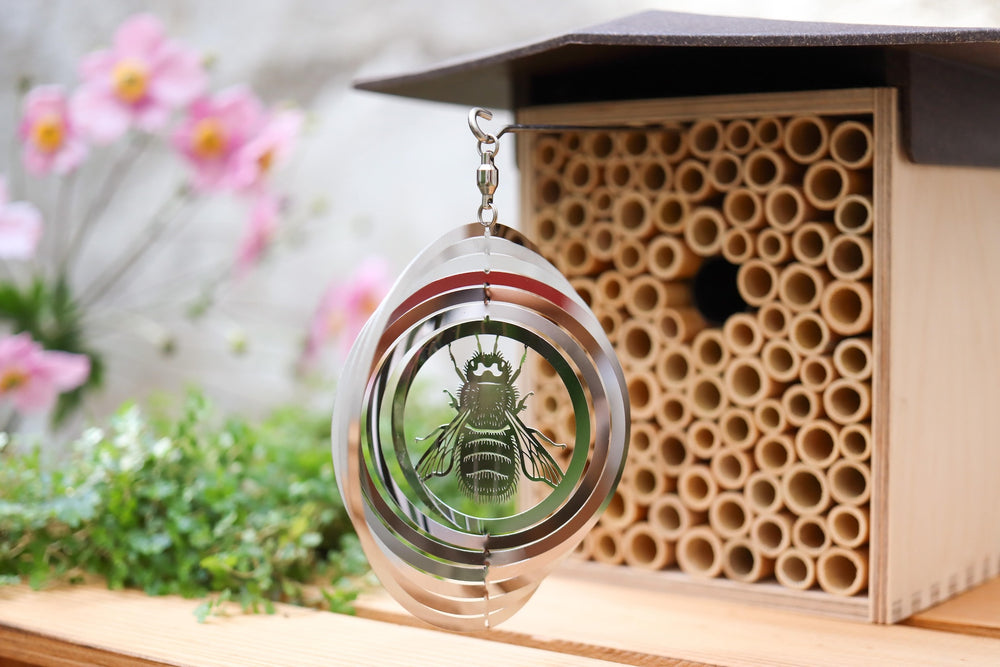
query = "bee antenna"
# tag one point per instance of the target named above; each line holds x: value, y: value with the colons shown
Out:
x: 479, y: 344
x: 455, y: 364
x: 495, y: 344
x: 521, y: 365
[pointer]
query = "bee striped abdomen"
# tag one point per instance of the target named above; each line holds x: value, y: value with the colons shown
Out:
x: 488, y: 463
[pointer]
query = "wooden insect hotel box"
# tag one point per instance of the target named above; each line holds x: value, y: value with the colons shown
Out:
x: 791, y: 234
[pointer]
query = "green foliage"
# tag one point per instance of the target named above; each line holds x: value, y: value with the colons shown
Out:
x: 50, y: 314
x: 193, y: 506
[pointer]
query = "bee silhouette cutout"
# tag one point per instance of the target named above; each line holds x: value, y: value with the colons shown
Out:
x: 486, y: 444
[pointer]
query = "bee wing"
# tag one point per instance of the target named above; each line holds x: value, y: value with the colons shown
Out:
x: 440, y: 456
x: 538, y: 464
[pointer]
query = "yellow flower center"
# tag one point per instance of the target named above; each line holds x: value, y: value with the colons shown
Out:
x: 369, y: 304
x: 47, y: 132
x: 130, y: 79
x: 209, y: 139
x: 265, y: 161
x: 12, y: 379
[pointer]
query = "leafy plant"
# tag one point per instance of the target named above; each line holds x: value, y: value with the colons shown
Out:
x: 194, y: 505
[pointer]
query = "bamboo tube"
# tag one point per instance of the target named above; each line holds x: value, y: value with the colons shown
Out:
x: 737, y: 137
x: 598, y: 144
x: 763, y: 493
x: 801, y: 405
x: 697, y: 488
x: 643, y: 548
x: 847, y: 401
x: 850, y: 257
x: 581, y: 174
x: 575, y: 258
x: 747, y: 382
x: 708, y: 396
x: 739, y: 430
x: 612, y: 287
x: 671, y: 259
x: 620, y: 174
x: 765, y: 169
x: 655, y: 176
x: 725, y: 171
x: 638, y: 344
x: 773, y: 247
x: 842, y: 571
x: 671, y: 143
x: 644, y: 394
x: 851, y: 145
x: 574, y: 214
x: 743, y: 561
x: 850, y: 482
x: 743, y: 208
x: 810, y: 534
x: 729, y: 515
x: 768, y: 132
x: 805, y: 490
x: 586, y: 288
x: 548, y: 153
x: 669, y: 213
x: 679, y: 325
x: 584, y: 549
x: 800, y: 287
x: 847, y: 306
x: 705, y: 231
x: 642, y: 442
x: 634, y: 143
x: 816, y: 443
x: 785, y: 208
x: 704, y: 439
x: 673, y: 412
x: 606, y: 545
x: 709, y: 350
x: 646, y: 296
x: 827, y: 182
x: 649, y: 483
x: 757, y: 282
x: 742, y: 335
x: 772, y: 533
x: 795, y: 569
x: 670, y: 518
x: 630, y: 257
x: 601, y: 239
x: 546, y: 227
x: 611, y: 321
x: 731, y: 468
x: 699, y: 553
x: 692, y: 181
x: 675, y: 367
x: 774, y: 453
x: 848, y: 525
x: 770, y: 416
x: 807, y: 138
x: 633, y: 216
x: 739, y: 245
x: 672, y: 453
x: 549, y: 189
x: 816, y: 373
x: 855, y: 442
x: 810, y: 335
x: 853, y: 214
x: 705, y: 137
x: 601, y: 202
x: 811, y: 242
x: 623, y: 510
x: 570, y: 141
x: 781, y: 361
x: 774, y: 318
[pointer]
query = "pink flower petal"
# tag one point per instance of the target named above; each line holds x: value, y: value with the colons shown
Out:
x: 98, y: 115
x: 259, y: 233
x: 178, y: 77
x: 96, y: 67
x: 39, y: 375
x: 139, y: 35
x: 66, y: 371
x: 20, y: 230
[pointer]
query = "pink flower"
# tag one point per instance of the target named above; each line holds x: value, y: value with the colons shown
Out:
x: 346, y: 307
x: 214, y: 132
x: 51, y: 140
x: 267, y: 149
x: 139, y: 81
x: 33, y: 377
x: 20, y: 227
x: 259, y: 232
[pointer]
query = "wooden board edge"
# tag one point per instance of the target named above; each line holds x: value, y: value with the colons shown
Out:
x: 24, y: 647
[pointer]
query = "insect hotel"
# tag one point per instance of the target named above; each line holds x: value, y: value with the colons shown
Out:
x: 789, y: 233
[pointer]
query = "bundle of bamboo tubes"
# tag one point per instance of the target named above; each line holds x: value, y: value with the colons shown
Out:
x: 751, y: 436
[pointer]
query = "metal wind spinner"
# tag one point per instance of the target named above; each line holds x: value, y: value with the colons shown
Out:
x: 463, y: 519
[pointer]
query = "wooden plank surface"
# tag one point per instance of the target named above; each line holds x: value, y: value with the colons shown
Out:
x: 976, y: 612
